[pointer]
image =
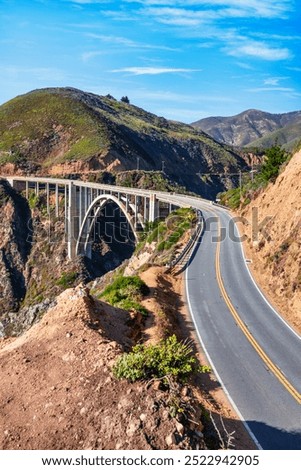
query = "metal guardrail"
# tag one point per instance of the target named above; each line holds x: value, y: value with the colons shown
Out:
x: 193, y: 239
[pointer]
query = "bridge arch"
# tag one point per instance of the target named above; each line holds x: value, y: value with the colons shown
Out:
x: 88, y: 223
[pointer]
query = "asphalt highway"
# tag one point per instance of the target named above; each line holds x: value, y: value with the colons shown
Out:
x: 255, y: 354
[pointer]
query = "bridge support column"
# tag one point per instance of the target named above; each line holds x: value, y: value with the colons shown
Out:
x: 56, y: 200
x: 72, y: 221
x: 153, y: 208
x: 146, y: 210
x: 136, y: 212
x: 81, y: 206
x: 47, y: 198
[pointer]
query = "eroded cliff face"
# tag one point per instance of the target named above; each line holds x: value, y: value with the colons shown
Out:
x: 276, y: 249
x: 34, y: 267
x: 15, y: 246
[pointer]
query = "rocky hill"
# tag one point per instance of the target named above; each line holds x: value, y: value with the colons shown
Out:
x: 64, y: 131
x: 246, y: 128
x: 276, y: 253
x: 288, y: 137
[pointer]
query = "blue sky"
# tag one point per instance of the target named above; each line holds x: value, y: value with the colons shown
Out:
x: 181, y: 59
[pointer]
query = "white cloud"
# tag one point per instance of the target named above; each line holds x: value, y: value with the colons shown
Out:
x: 168, y: 96
x: 89, y: 2
x: 182, y: 16
x: 264, y: 89
x: 125, y: 42
x: 245, y: 66
x: 90, y: 55
x: 113, y: 39
x: 274, y: 81
x: 271, y: 81
x: 153, y: 70
x: 259, y: 50
x: 212, y: 9
x: 294, y: 69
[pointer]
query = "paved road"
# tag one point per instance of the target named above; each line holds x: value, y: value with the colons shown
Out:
x: 255, y: 354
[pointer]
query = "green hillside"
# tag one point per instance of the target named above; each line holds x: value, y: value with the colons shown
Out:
x: 60, y: 129
x: 288, y: 137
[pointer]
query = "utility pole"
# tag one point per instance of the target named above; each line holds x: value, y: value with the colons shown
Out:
x: 138, y: 161
x: 252, y: 169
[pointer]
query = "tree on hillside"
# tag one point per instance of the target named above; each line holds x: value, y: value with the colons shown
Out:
x: 275, y: 157
x: 125, y: 99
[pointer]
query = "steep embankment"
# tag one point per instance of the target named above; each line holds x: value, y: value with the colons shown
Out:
x: 67, y: 131
x: 275, y: 250
x: 15, y: 246
x: 58, y: 391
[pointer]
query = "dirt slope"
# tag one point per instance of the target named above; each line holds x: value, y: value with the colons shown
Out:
x: 276, y: 253
x: 57, y: 390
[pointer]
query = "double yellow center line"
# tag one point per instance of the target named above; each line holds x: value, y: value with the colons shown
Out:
x: 268, y: 362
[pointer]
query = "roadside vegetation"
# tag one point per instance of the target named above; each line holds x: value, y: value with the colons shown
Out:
x: 275, y: 158
x: 166, y: 234
x: 168, y: 359
x: 126, y: 292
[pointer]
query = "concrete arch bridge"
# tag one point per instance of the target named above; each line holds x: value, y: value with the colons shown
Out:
x: 81, y: 203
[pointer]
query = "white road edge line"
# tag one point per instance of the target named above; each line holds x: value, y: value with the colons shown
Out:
x: 261, y: 293
x: 213, y: 367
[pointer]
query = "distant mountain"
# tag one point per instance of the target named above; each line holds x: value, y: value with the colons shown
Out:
x: 288, y: 137
x: 64, y: 131
x: 247, y: 128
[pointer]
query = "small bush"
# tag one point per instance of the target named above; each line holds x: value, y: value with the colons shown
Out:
x: 168, y: 358
x: 125, y: 292
x: 128, y: 304
x: 67, y: 279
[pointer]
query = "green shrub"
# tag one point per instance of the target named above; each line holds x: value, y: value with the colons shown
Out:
x: 125, y: 292
x: 170, y: 357
x: 67, y: 279
x: 161, y: 246
x: 275, y: 157
x: 128, y: 304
